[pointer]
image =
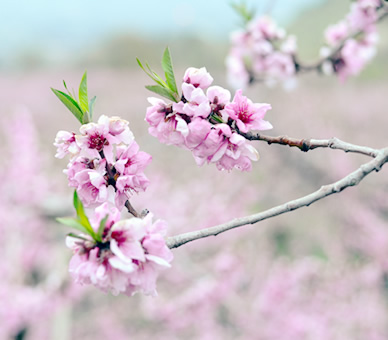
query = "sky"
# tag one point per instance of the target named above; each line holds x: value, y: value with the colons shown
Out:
x: 73, y: 24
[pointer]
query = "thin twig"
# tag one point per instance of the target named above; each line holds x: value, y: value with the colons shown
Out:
x: 311, y: 144
x: 350, y: 180
x: 131, y: 209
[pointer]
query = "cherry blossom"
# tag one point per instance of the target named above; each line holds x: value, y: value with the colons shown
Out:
x: 105, y: 161
x: 248, y: 116
x: 129, y: 258
x: 351, y: 42
x: 206, y: 122
x: 263, y: 52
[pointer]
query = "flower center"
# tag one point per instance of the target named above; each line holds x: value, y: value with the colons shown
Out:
x: 97, y: 142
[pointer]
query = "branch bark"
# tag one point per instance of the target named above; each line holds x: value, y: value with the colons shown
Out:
x: 311, y: 144
x: 380, y: 158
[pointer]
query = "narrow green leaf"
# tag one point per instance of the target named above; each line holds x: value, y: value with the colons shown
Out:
x: 168, y: 70
x: 162, y: 91
x: 152, y: 74
x: 83, y: 93
x: 64, y: 84
x: 156, y: 77
x: 70, y: 103
x: 218, y: 119
x: 91, y: 107
x: 143, y: 68
x: 101, y: 228
x: 245, y: 13
x: 86, y: 119
x: 78, y: 236
x: 72, y: 223
x: 79, y: 208
x: 82, y: 218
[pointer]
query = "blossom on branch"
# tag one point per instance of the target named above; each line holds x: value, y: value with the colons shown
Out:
x: 351, y: 43
x: 105, y: 162
x: 207, y: 123
x: 262, y: 51
x: 129, y: 257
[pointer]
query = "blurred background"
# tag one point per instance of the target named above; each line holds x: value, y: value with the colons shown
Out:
x: 316, y: 273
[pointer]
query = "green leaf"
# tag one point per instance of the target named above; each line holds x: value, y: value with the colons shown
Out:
x: 83, y: 93
x: 78, y: 236
x: 169, y: 71
x: 91, y: 106
x: 72, y: 223
x: 143, y: 68
x: 101, y: 228
x: 156, y: 77
x: 64, y: 84
x: 70, y: 103
x: 162, y: 91
x: 218, y: 119
x: 152, y: 74
x: 245, y: 13
x: 82, y: 218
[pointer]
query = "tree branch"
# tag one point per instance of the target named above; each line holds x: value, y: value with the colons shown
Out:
x: 311, y: 144
x: 350, y: 180
x: 301, y: 67
x: 383, y: 13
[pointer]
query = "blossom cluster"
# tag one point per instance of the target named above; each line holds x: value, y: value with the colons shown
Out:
x: 106, y: 168
x: 105, y: 162
x: 348, y: 54
x: 208, y: 123
x: 262, y: 51
x: 128, y: 258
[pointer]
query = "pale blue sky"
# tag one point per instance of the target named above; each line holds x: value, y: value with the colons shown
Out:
x: 71, y: 24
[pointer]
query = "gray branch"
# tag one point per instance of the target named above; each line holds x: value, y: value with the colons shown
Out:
x: 380, y: 158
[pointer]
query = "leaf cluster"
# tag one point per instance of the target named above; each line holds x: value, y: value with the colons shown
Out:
x: 243, y: 11
x: 165, y: 88
x: 81, y: 108
x: 82, y: 223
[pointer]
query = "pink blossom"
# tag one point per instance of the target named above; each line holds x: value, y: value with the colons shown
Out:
x: 204, y: 123
x: 363, y: 15
x: 248, y: 116
x: 157, y: 112
x: 108, y: 165
x: 88, y: 178
x: 262, y: 48
x: 128, y: 184
x: 289, y: 45
x: 354, y: 56
x: 119, y: 128
x: 129, y: 172
x: 265, y: 28
x: 215, y: 142
x: 198, y: 77
x: 218, y: 97
x: 130, y: 160
x: 197, y: 104
x: 335, y: 34
x: 262, y: 52
x: 128, y: 260
x: 157, y: 258
x: 238, y: 154
x: 171, y: 131
x: 279, y: 65
x: 237, y: 74
x: 65, y: 143
x: 198, y: 131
